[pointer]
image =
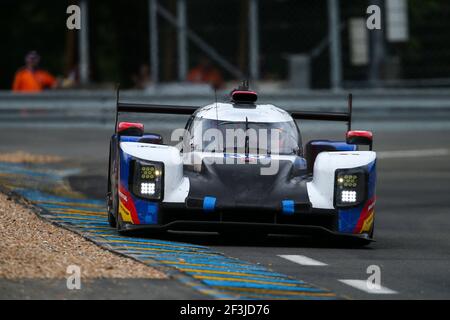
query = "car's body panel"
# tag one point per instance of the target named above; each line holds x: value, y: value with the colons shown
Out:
x: 360, y: 219
x: 176, y: 186
x: 242, y: 186
x: 321, y: 188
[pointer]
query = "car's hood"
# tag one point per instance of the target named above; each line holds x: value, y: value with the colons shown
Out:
x: 244, y: 186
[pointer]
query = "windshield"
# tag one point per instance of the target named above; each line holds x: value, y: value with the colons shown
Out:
x: 262, y: 138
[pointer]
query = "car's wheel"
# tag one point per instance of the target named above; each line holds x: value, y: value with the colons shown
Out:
x: 109, y: 196
x: 111, y: 218
x: 119, y: 221
x: 366, y: 242
x: 120, y: 228
x: 371, y: 233
x: 360, y: 243
x: 372, y: 230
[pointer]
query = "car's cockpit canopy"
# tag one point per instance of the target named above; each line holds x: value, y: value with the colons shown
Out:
x: 260, y: 138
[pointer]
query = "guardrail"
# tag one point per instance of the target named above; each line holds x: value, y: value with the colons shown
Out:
x: 89, y: 106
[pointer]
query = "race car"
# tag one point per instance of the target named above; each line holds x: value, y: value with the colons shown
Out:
x: 252, y: 182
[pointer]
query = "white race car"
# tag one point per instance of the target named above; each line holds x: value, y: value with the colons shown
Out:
x: 241, y: 167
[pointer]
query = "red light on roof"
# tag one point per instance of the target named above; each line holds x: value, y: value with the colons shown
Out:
x: 241, y: 96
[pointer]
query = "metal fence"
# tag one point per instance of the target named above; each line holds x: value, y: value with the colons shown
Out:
x: 92, y: 107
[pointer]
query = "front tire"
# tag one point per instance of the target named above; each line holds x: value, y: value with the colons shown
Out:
x: 120, y: 228
x: 119, y: 222
x: 111, y: 218
x: 372, y: 230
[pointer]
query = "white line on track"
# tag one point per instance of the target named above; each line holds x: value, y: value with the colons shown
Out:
x: 303, y: 260
x: 413, y: 153
x: 362, y: 285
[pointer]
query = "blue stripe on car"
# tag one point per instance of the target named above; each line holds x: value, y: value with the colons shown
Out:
x: 288, y: 207
x: 209, y: 204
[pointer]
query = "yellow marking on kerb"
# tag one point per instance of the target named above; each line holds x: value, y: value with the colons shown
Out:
x: 201, y: 265
x: 247, y: 280
x: 73, y: 204
x: 162, y: 250
x: 147, y: 243
x: 76, y: 210
x: 231, y: 273
x: 73, y: 218
x: 93, y: 227
x: 277, y: 292
x: 91, y: 214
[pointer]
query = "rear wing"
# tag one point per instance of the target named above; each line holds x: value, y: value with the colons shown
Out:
x: 327, y: 116
x: 154, y: 108
x: 188, y: 110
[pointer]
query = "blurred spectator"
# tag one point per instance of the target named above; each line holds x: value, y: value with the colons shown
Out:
x: 142, y: 79
x: 31, y: 79
x: 205, y: 72
x: 72, y: 78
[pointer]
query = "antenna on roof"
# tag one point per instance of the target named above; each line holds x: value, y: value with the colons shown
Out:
x: 244, y: 85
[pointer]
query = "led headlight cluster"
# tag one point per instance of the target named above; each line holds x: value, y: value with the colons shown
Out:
x: 348, y: 196
x: 148, y: 179
x: 350, y: 187
x: 148, y: 188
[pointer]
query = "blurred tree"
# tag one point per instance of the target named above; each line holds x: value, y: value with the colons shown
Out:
x: 31, y: 25
x: 427, y: 54
x: 120, y: 41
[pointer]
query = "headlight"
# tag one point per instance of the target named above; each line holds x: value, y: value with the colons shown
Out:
x: 350, y: 187
x: 148, y: 179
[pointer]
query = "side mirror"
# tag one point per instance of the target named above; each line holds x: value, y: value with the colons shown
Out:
x: 130, y: 129
x: 360, y: 137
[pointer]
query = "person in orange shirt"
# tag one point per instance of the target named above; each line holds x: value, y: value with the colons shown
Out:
x: 31, y: 79
x: 206, y: 73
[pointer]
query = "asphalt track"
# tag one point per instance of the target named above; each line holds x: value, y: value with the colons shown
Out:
x: 412, y: 218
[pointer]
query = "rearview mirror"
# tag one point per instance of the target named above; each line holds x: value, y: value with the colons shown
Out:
x: 130, y: 129
x: 360, y: 137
